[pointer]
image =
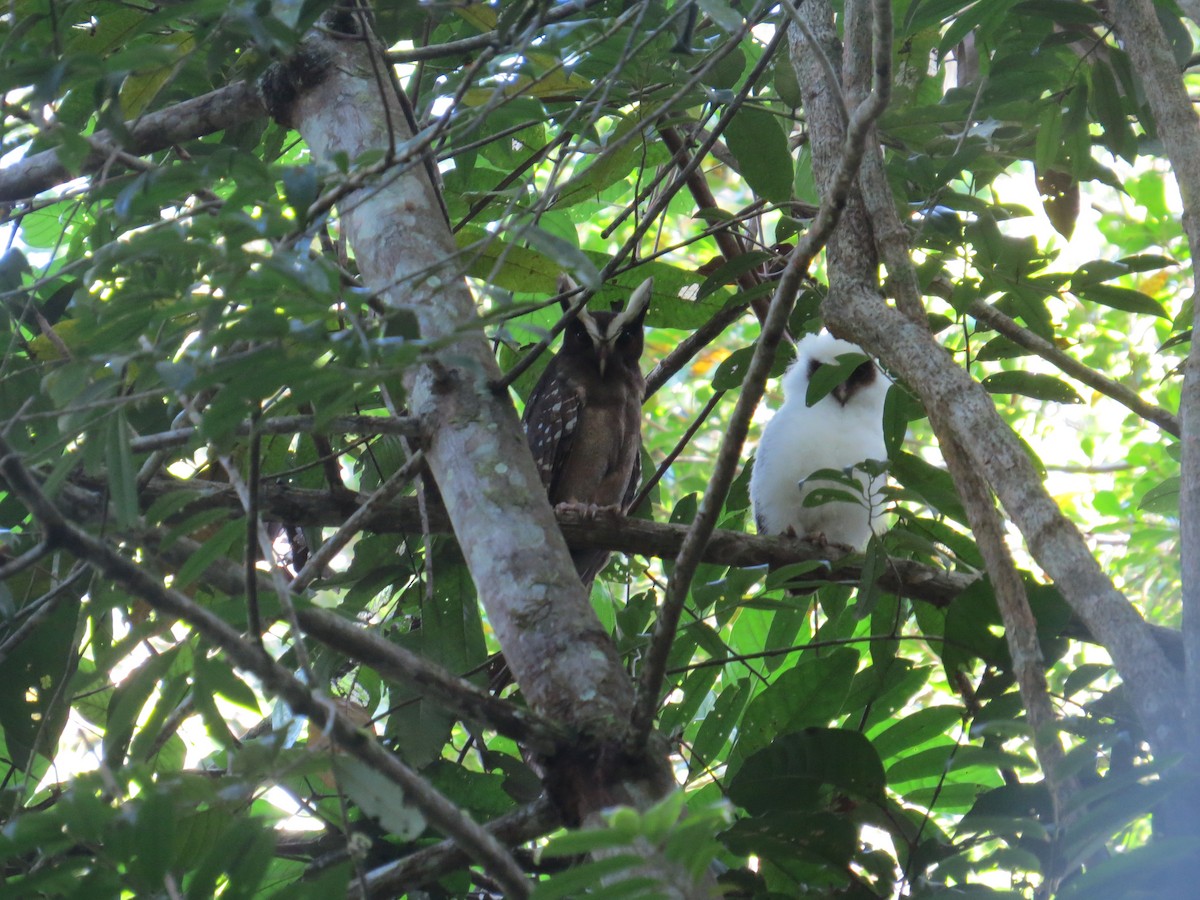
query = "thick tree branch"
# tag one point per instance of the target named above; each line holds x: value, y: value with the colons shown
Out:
x: 606, y: 531
x: 300, y: 506
x: 215, y: 111
x: 516, y: 555
x: 1178, y: 127
x: 1020, y: 626
x: 732, y: 246
x: 909, y: 350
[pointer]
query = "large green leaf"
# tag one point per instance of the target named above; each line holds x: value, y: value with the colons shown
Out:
x: 760, y: 146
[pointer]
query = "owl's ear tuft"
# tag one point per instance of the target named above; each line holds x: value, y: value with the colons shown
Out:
x: 635, y: 308
x: 566, y: 285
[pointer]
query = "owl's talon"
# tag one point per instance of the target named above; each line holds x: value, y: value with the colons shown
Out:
x: 588, y: 511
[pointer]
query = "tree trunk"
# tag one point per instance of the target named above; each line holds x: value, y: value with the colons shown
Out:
x: 346, y: 105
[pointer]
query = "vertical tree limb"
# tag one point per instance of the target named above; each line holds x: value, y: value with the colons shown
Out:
x: 1178, y: 127
x: 1020, y: 625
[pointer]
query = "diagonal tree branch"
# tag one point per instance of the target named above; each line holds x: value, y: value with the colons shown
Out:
x: 425, y: 865
x: 1020, y: 625
x: 992, y: 317
x: 443, y: 814
x: 212, y: 112
x: 773, y: 329
x: 551, y: 637
x: 394, y: 662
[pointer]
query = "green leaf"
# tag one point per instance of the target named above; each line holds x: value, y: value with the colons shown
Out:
x: 584, y: 876
x: 1123, y: 876
x: 1163, y: 498
x: 565, y: 256
x: 380, y: 797
x: 722, y: 13
x: 122, y: 479
x: 127, y: 701
x: 829, y: 376
x: 33, y: 673
x: 213, y: 548
x: 810, y: 693
x: 1109, y: 108
x: 154, y: 836
x: 1032, y: 384
x: 1122, y: 298
x: 934, y: 485
x: 915, y: 729
x: 797, y: 767
x: 716, y: 727
x: 1001, y: 348
x: 931, y: 762
x: 760, y: 147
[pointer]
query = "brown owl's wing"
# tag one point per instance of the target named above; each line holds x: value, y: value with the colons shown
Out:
x: 551, y: 417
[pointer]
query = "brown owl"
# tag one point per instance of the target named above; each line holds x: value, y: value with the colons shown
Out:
x: 584, y: 415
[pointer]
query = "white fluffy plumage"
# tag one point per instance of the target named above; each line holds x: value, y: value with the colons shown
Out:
x: 842, y: 429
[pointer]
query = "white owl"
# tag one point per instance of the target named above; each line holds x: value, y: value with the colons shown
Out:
x: 842, y: 429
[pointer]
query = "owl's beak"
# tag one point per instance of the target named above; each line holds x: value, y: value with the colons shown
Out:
x: 602, y: 354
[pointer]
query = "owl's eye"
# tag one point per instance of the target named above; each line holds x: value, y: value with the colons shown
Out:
x: 624, y: 336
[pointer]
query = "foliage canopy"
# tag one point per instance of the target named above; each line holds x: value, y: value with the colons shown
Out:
x: 195, y: 374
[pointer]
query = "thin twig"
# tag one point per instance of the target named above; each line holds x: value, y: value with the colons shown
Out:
x: 1023, y: 337
x: 24, y: 561
x: 38, y: 610
x: 686, y: 350
x: 656, y: 209
x: 467, y: 46
x: 351, y: 527
x: 679, y: 447
x: 406, y: 426
x: 394, y: 878
x: 395, y: 663
x: 249, y: 505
